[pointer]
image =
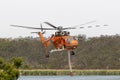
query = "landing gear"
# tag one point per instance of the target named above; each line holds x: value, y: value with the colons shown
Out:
x: 57, y: 50
x: 47, y: 56
x: 72, y: 52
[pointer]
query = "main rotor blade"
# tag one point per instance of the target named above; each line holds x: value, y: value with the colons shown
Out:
x: 68, y: 28
x: 50, y: 24
x: 94, y: 26
x: 83, y: 24
x: 85, y: 27
x: 33, y: 27
x: 87, y: 23
x: 41, y: 27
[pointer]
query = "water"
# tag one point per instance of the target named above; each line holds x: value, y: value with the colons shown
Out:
x: 69, y: 78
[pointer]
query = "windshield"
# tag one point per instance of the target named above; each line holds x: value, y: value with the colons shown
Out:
x: 69, y: 39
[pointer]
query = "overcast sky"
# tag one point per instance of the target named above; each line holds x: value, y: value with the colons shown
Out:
x: 66, y: 13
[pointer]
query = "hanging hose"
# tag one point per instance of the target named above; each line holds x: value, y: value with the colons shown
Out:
x: 69, y: 62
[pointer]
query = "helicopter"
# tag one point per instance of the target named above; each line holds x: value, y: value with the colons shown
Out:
x: 61, y: 39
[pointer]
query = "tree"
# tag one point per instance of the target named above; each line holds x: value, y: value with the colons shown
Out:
x: 17, y: 62
x: 9, y: 70
x: 1, y: 62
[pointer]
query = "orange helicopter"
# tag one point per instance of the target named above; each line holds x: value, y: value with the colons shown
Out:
x: 61, y: 39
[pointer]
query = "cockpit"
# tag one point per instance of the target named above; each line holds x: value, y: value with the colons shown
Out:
x: 71, y: 38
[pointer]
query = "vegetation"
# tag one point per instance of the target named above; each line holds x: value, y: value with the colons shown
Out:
x: 9, y: 71
x: 92, y: 53
x: 67, y: 72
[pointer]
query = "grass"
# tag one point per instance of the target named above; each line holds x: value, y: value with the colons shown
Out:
x: 39, y: 72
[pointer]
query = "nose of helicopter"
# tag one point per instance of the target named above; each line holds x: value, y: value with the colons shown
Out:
x: 74, y: 42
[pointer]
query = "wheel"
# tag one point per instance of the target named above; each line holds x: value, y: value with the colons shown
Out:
x: 72, y: 52
x: 47, y: 55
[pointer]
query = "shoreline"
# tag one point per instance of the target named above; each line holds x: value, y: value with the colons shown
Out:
x: 47, y: 72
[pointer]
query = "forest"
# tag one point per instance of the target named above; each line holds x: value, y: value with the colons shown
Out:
x: 92, y: 53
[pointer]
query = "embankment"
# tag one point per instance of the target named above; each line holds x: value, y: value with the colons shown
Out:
x: 67, y: 72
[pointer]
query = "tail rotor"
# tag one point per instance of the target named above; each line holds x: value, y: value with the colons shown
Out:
x: 43, y: 32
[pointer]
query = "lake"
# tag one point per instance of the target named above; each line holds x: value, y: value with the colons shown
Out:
x: 69, y: 78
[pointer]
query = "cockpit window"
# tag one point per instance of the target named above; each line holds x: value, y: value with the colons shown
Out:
x: 69, y: 39
x: 75, y: 37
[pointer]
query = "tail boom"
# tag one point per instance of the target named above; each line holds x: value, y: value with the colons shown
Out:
x: 45, y: 43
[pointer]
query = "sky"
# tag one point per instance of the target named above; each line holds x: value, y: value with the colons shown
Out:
x: 66, y: 13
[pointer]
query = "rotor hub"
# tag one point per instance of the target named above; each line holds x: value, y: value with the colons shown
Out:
x: 60, y: 28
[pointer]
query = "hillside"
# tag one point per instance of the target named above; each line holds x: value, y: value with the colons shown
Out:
x: 92, y: 53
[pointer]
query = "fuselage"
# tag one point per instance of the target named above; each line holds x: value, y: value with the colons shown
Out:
x: 60, y: 40
x: 68, y: 42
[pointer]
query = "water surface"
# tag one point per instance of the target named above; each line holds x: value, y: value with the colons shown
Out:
x: 69, y: 78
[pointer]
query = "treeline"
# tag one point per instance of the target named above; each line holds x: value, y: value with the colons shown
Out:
x: 92, y: 53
